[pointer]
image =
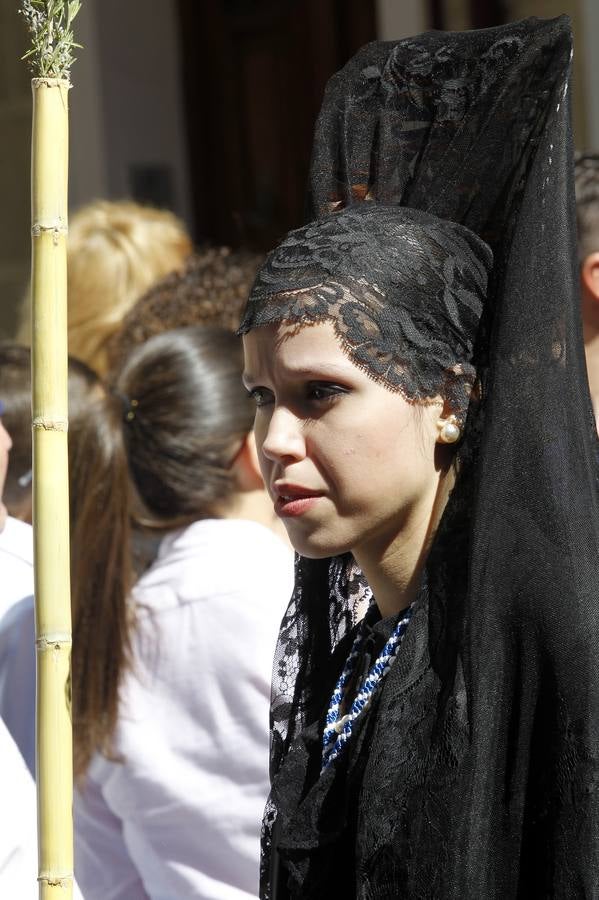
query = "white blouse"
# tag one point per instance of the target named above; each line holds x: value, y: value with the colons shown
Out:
x: 180, y: 815
x: 16, y: 563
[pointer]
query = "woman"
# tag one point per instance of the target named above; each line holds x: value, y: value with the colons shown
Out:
x: 425, y: 431
x: 170, y: 691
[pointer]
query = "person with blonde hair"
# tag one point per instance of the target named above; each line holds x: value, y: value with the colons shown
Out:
x: 116, y: 252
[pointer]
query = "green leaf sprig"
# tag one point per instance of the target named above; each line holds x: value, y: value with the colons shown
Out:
x: 52, y: 41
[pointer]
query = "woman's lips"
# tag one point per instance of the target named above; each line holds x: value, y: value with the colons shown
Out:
x: 290, y: 507
x: 294, y: 501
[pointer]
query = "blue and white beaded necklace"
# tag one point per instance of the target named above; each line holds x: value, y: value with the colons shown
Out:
x: 338, y: 729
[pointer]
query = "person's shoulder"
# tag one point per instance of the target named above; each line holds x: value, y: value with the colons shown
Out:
x: 20, y: 617
x: 16, y: 539
x: 16, y: 563
x: 245, y: 552
x: 214, y: 557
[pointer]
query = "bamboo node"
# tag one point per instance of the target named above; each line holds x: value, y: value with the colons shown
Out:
x: 54, y: 639
x: 56, y: 879
x: 51, y: 83
x: 50, y: 424
x: 55, y: 228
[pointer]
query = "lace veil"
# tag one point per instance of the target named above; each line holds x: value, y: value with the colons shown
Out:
x: 444, y: 233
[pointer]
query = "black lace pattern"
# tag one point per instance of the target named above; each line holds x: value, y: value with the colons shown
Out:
x: 475, y: 772
x: 404, y: 290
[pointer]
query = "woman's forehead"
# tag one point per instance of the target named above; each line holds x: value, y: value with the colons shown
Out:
x: 289, y: 348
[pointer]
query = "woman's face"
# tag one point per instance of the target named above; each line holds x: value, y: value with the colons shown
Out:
x: 348, y: 463
x: 5, y: 445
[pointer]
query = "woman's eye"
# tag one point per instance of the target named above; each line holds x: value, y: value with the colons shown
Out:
x: 325, y: 391
x: 261, y: 396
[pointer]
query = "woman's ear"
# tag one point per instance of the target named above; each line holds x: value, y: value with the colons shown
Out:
x: 246, y: 467
x: 589, y: 274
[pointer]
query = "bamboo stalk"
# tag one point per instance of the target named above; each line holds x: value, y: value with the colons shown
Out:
x: 50, y: 485
x: 49, y: 23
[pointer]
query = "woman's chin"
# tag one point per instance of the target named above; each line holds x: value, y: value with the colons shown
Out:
x: 315, y: 546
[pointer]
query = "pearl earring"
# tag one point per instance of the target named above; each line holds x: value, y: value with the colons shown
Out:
x: 449, y: 430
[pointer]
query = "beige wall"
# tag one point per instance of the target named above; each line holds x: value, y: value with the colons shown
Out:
x: 401, y: 18
x: 143, y: 115
x: 585, y: 25
x: 590, y: 84
x: 547, y: 9
x: 457, y: 15
x: 15, y: 126
x: 88, y: 170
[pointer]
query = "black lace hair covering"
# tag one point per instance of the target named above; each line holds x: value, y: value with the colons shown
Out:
x: 475, y: 773
x: 403, y: 289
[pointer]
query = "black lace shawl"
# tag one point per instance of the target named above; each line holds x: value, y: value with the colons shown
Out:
x: 475, y: 774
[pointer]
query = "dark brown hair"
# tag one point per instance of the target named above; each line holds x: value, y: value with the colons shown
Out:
x: 15, y: 392
x: 157, y: 450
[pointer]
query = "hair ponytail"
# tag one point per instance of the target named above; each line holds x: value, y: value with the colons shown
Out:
x: 158, y: 454
x: 102, y: 577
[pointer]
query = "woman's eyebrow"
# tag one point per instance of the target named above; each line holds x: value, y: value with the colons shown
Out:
x: 316, y: 369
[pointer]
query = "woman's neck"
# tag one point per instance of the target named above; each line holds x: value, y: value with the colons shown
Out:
x: 394, y: 569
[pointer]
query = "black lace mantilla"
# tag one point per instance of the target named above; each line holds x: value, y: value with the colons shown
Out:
x: 475, y: 774
x: 404, y: 290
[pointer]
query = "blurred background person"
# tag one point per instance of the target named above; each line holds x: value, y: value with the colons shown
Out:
x: 17, y: 647
x: 116, y: 251
x: 211, y: 290
x: 15, y: 391
x: 18, y: 825
x: 16, y: 539
x: 16, y: 534
x: 587, y: 216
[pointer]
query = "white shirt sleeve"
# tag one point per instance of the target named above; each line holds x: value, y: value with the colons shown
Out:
x: 17, y: 677
x: 18, y: 825
x: 18, y: 841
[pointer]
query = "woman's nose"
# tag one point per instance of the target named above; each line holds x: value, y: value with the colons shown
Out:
x: 284, y: 439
